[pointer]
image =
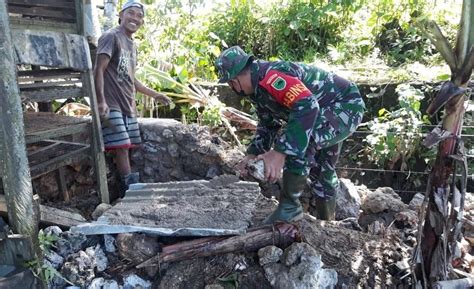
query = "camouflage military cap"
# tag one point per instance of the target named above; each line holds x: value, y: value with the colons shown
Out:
x: 231, y: 62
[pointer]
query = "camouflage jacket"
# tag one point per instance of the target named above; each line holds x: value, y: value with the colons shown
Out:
x: 288, y: 98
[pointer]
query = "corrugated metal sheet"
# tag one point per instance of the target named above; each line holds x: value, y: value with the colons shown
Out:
x: 222, y: 206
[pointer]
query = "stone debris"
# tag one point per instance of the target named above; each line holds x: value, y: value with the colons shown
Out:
x: 137, y: 248
x: 100, y: 210
x: 416, y: 202
x: 269, y: 254
x: 133, y: 281
x: 348, y: 201
x: 101, y: 283
x: 256, y: 169
x: 300, y: 268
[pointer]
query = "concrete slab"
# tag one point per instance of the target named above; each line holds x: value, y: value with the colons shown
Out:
x: 221, y: 206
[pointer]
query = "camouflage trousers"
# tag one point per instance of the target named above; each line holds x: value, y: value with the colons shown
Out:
x: 335, y: 123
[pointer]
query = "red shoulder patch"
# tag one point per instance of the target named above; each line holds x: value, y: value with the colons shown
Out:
x: 284, y: 88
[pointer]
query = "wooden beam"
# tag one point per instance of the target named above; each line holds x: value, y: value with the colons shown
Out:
x: 42, y: 25
x: 51, y: 93
x: 97, y: 146
x: 51, y: 216
x: 36, y: 136
x: 42, y: 3
x: 15, y: 171
x: 64, y: 14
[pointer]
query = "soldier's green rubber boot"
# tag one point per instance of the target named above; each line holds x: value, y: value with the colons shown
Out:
x: 326, y: 208
x: 289, y: 209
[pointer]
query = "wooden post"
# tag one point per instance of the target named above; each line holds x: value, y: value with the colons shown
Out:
x: 16, y: 174
x: 97, y: 144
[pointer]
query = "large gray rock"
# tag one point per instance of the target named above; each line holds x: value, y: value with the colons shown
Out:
x: 383, y: 199
x: 348, y: 201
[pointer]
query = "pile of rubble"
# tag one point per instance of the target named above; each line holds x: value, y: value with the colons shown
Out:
x: 369, y: 245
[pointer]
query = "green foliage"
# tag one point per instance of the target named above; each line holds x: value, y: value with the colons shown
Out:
x: 396, y: 136
x: 302, y: 29
x: 44, y: 272
x: 46, y: 241
x: 41, y: 270
x: 184, y: 39
x: 240, y: 22
x: 175, y: 40
x: 212, y: 116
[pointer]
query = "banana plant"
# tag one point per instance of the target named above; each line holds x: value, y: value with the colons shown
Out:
x: 442, y: 213
x: 194, y: 95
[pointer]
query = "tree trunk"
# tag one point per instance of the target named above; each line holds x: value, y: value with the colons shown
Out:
x: 281, y: 234
x: 442, y: 223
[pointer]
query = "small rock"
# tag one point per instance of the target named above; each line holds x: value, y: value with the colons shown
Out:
x: 347, y: 201
x: 53, y: 259
x: 256, y: 169
x: 133, y: 281
x: 173, y: 150
x: 213, y: 171
x: 409, y: 218
x: 78, y: 269
x: 53, y: 230
x: 98, y: 258
x: 137, y: 247
x: 294, y: 253
x: 70, y: 243
x: 100, y: 210
x: 168, y: 134
x: 269, y: 254
x: 275, y: 272
x: 376, y: 228
x: 109, y: 244
x: 101, y: 283
x: 416, y: 202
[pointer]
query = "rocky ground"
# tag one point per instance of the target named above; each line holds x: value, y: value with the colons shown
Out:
x: 370, y: 244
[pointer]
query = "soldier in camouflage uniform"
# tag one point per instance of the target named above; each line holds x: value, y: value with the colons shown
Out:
x: 304, y: 115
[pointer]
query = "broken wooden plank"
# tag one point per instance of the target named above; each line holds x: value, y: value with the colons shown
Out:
x: 52, y: 216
